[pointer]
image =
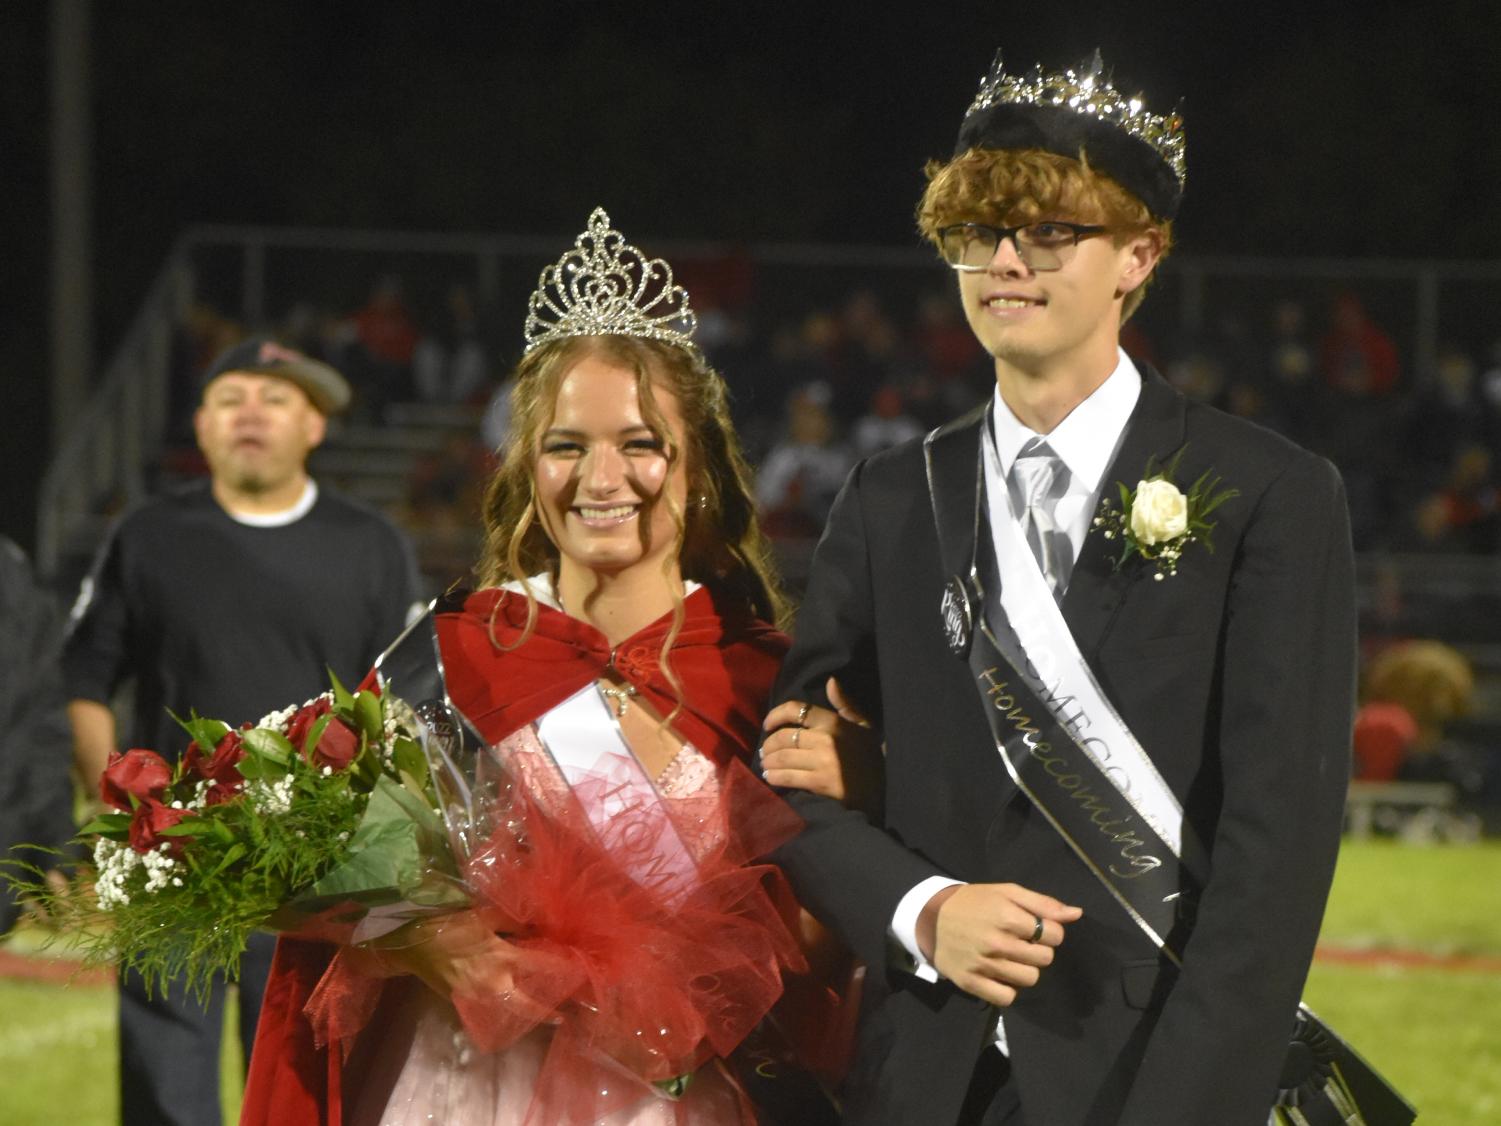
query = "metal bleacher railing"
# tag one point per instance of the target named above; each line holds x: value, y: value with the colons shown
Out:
x: 110, y: 441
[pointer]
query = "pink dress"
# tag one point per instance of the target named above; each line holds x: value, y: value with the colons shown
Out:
x: 417, y: 1063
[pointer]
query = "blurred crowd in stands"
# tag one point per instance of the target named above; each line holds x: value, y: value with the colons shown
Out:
x: 815, y: 391
x: 1416, y: 448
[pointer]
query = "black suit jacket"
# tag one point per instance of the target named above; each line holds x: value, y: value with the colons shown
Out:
x: 1237, y: 676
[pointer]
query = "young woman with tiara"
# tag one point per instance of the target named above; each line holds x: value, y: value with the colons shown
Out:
x: 621, y: 942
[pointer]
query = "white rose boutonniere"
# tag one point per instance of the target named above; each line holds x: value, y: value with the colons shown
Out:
x: 1157, y: 519
x: 1159, y: 511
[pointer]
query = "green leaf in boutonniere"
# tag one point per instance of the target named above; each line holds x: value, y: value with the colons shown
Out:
x: 1157, y: 520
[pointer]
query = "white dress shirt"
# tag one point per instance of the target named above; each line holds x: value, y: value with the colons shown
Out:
x: 1086, y: 442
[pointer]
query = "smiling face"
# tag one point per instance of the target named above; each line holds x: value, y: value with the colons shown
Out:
x: 1024, y: 317
x: 605, y: 483
x: 256, y: 432
x: 1027, y: 318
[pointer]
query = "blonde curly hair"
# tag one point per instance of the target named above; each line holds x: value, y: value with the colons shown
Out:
x: 1004, y: 187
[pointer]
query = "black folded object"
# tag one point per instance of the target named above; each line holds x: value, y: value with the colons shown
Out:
x: 1325, y: 1082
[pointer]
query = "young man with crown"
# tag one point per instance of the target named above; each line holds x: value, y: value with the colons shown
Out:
x: 1108, y: 636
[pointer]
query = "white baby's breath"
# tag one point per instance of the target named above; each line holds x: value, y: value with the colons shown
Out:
x: 271, y: 797
x: 159, y: 867
x: 113, y: 864
x: 278, y: 720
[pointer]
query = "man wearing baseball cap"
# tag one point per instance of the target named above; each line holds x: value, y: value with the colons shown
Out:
x: 232, y: 596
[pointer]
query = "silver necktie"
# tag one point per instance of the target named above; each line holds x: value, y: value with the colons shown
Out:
x: 1038, y: 479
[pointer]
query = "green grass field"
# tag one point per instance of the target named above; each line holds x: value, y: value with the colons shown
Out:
x: 1435, y: 1031
x: 58, y: 1056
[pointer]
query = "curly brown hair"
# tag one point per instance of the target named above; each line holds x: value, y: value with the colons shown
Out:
x: 719, y: 540
x: 1004, y: 187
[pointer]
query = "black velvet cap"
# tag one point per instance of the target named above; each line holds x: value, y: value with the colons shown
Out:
x: 1080, y: 111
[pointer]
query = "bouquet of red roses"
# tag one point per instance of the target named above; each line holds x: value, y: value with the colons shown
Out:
x: 318, y: 819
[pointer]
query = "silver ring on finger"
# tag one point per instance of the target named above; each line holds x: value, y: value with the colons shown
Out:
x: 796, y: 734
x: 1037, y: 930
x: 802, y: 713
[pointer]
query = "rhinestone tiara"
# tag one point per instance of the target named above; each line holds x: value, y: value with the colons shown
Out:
x: 606, y: 287
x: 1087, y: 91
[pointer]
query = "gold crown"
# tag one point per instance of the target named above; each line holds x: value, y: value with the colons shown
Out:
x: 1089, y: 92
x: 606, y: 287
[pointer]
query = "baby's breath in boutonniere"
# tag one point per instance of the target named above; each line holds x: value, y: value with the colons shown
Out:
x: 1157, y: 520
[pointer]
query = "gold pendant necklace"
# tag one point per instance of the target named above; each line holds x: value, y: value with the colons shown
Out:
x: 619, y: 696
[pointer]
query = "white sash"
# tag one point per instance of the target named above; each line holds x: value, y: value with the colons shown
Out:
x: 585, y: 741
x: 1042, y: 648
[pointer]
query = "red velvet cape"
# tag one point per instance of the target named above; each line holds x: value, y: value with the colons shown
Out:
x: 724, y: 658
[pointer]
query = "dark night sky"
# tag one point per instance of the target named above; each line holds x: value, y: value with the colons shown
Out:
x: 1333, y: 128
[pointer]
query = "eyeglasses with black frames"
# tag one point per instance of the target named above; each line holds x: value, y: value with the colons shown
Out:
x: 1045, y: 245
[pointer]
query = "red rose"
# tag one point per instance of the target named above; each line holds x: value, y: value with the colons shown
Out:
x: 303, y: 719
x: 135, y: 774
x: 223, y: 792
x: 337, y: 747
x: 221, y: 766
x: 338, y: 744
x: 147, y: 823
